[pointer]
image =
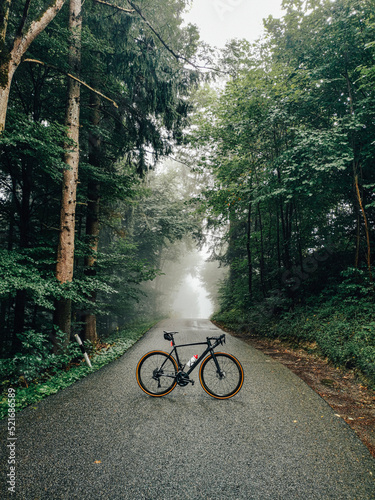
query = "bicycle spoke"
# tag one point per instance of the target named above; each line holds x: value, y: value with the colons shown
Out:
x: 224, y: 383
x: 156, y: 373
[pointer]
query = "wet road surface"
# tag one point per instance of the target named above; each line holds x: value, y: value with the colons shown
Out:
x: 103, y: 438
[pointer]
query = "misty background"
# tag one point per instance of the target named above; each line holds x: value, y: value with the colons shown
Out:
x: 190, y: 275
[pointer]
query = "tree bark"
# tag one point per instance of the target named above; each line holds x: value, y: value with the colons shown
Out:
x: 23, y: 208
x: 92, y: 220
x: 248, y: 251
x: 368, y: 258
x: 261, y: 259
x: 65, y: 251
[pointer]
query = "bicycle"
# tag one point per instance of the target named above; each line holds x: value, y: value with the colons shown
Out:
x: 221, y: 374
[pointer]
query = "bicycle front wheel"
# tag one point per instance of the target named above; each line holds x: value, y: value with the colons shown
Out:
x: 221, y: 379
x: 156, y: 373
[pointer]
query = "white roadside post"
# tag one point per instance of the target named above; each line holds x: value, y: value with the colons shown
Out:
x: 83, y: 350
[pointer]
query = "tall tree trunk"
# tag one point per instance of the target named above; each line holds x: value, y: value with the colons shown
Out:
x: 262, y: 266
x: 368, y: 258
x: 278, y: 240
x: 23, y: 209
x: 357, y: 239
x: 232, y: 253
x: 356, y: 186
x: 10, y: 57
x: 92, y: 220
x: 285, y: 254
x: 248, y: 250
x: 65, y: 251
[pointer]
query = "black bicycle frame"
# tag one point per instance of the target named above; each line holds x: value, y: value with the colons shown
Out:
x: 210, y: 349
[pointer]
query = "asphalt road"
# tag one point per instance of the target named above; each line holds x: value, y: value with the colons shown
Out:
x: 103, y: 438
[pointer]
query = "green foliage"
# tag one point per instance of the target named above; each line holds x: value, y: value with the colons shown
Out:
x: 35, y: 359
x: 287, y: 139
x: 52, y: 373
x: 339, y: 322
x: 19, y: 271
x: 123, y: 60
x: 285, y: 142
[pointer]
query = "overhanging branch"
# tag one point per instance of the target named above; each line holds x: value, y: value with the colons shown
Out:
x: 128, y: 11
x: 72, y: 77
x: 158, y: 36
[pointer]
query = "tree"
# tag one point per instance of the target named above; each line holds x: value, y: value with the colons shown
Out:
x: 21, y: 38
x: 290, y: 150
x: 65, y: 251
x: 127, y: 63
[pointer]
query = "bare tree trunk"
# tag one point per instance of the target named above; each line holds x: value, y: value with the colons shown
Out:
x: 248, y: 251
x: 366, y: 228
x: 92, y: 220
x: 65, y: 251
x: 261, y: 259
x: 23, y: 208
x: 10, y: 57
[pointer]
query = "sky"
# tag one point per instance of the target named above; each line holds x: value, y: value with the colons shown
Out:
x: 222, y: 20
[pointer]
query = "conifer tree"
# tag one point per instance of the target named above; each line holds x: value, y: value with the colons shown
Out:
x: 24, y: 33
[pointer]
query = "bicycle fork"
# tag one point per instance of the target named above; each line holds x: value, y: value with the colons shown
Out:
x: 220, y: 372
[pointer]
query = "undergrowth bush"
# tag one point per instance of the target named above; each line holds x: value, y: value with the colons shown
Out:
x: 339, y: 321
x: 48, y: 373
x: 35, y: 359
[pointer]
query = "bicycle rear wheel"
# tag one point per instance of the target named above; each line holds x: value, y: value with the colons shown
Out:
x: 156, y: 373
x: 222, y: 383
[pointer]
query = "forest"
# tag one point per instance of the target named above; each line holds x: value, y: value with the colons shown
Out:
x: 126, y: 143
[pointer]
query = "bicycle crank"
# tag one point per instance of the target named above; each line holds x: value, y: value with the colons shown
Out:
x: 183, y: 379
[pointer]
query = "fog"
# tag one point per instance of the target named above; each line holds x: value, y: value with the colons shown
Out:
x: 196, y: 290
x: 192, y: 300
x: 188, y: 284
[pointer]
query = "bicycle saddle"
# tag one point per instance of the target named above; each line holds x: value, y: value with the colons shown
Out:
x: 169, y: 335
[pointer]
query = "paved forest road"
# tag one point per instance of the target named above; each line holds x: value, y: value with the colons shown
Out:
x: 276, y: 439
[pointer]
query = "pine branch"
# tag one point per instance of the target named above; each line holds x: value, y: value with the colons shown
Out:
x: 166, y: 46
x: 177, y: 56
x: 23, y: 41
x: 72, y: 77
x: 128, y: 11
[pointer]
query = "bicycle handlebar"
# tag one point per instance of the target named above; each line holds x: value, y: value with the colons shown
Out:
x: 220, y: 339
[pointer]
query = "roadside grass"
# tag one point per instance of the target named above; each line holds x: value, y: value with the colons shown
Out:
x: 50, y: 382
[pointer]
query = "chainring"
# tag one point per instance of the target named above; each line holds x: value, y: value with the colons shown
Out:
x: 182, y: 379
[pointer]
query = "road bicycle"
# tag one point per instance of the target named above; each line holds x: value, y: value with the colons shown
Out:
x: 221, y: 374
